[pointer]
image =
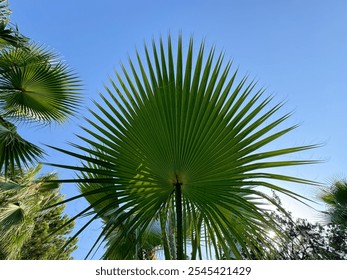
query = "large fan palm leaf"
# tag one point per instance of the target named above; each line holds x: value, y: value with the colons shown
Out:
x: 184, y: 143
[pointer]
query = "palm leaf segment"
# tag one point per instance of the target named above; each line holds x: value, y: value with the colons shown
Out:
x: 183, y: 143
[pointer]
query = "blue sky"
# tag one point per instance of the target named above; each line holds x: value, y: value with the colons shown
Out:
x: 296, y: 49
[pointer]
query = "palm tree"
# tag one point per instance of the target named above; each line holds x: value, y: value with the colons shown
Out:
x: 336, y: 199
x: 183, y: 144
x: 24, y: 210
x: 35, y: 86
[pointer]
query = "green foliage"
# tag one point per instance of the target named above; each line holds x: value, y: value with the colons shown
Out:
x: 335, y: 198
x: 184, y: 143
x: 150, y: 242
x: 302, y: 240
x: 9, y: 36
x: 45, y: 243
x: 28, y: 229
x: 308, y: 241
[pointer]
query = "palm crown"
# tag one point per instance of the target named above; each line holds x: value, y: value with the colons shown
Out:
x: 182, y: 145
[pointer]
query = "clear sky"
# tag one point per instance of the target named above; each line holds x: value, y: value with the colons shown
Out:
x: 296, y: 49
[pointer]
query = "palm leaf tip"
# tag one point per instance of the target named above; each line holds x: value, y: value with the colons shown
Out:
x: 188, y: 122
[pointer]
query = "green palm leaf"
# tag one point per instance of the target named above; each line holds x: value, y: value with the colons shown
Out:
x: 14, y: 150
x: 184, y: 143
x: 335, y: 198
x: 34, y: 85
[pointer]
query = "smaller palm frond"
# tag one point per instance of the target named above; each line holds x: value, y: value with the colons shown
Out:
x: 16, y: 225
x: 36, y: 86
x: 13, y: 214
x: 10, y: 37
x: 336, y: 199
x: 15, y: 152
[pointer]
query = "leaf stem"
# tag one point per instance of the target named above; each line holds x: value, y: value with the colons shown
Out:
x: 179, y: 220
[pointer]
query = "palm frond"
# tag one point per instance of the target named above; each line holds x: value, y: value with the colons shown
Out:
x: 15, y: 227
x: 11, y: 215
x: 36, y: 86
x: 335, y: 197
x: 186, y: 123
x: 15, y: 152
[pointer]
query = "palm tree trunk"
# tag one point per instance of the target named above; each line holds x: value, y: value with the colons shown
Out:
x: 165, y: 240
x: 179, y: 221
